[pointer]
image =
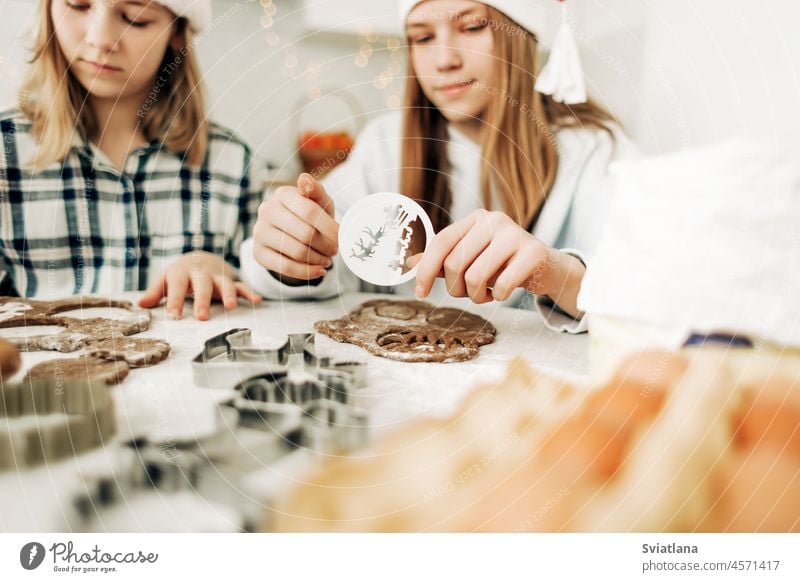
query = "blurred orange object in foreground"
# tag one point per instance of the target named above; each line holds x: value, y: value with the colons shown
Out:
x: 10, y: 360
x: 698, y: 440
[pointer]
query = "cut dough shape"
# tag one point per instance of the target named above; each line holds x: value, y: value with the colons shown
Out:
x: 104, y: 338
x: 17, y: 312
x: 86, y: 368
x: 138, y: 352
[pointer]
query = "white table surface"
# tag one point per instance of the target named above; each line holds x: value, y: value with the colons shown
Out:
x: 162, y: 403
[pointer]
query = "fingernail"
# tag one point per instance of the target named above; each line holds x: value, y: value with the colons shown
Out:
x: 419, y: 291
x: 328, y: 263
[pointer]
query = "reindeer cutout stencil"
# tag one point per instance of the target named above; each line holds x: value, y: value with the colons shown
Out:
x: 367, y: 250
x: 377, y: 234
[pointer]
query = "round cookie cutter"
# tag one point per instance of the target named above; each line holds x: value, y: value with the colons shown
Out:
x: 377, y: 235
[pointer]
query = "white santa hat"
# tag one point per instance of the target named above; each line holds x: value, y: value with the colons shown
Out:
x: 197, y: 12
x: 562, y: 77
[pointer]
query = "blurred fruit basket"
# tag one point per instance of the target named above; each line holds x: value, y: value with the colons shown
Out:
x: 322, y: 150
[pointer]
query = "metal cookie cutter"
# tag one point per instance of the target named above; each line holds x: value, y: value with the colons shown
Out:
x: 286, y: 387
x: 286, y: 402
x: 230, y: 358
x: 146, y: 472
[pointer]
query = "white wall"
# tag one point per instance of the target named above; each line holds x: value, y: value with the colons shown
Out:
x: 611, y: 36
x: 252, y: 90
x: 718, y: 68
x: 682, y: 73
x: 16, y: 20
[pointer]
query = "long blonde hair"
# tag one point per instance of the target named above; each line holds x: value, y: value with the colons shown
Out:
x: 56, y: 103
x: 519, y: 154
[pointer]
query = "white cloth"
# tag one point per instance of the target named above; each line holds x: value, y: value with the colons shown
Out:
x: 197, y: 12
x: 571, y: 220
x: 704, y: 241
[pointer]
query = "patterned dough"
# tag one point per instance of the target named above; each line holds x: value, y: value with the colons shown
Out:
x: 411, y: 331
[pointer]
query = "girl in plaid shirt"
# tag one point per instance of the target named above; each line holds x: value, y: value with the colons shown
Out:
x: 111, y: 179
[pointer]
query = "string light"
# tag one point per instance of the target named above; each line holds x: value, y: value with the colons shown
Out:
x: 366, y: 49
x: 289, y: 65
x: 386, y: 77
x: 267, y: 19
x: 383, y: 80
x: 314, y: 68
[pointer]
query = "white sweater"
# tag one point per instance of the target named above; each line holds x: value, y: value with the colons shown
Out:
x: 571, y: 220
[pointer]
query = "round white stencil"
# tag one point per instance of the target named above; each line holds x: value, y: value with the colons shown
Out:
x: 377, y: 235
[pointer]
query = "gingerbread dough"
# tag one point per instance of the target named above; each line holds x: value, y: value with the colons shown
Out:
x: 411, y: 331
x: 85, y: 368
x: 137, y: 352
x: 103, y: 338
x: 18, y: 312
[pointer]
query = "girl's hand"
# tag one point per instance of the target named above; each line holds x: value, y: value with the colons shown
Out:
x: 296, y: 235
x: 205, y: 276
x: 486, y: 256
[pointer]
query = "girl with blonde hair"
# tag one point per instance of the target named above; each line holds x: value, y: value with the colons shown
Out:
x: 508, y: 160
x: 111, y: 179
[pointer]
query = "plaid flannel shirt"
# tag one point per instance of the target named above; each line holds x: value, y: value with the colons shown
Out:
x: 82, y: 226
